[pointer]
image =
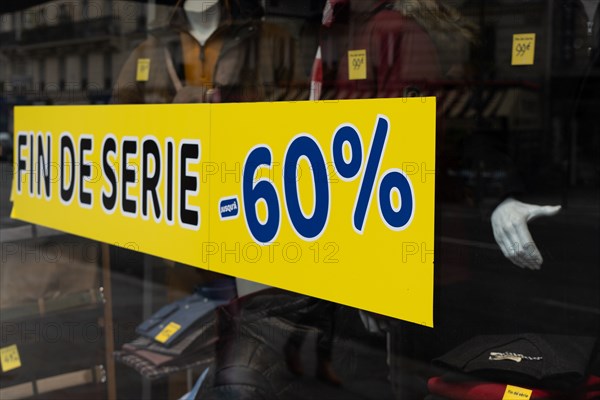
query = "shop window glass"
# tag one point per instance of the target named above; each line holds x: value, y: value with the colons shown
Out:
x: 517, y: 203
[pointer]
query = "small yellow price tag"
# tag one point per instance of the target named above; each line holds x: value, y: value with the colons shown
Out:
x: 143, y: 70
x: 9, y: 358
x: 516, y: 393
x: 357, y: 64
x: 167, y: 332
x: 523, y: 51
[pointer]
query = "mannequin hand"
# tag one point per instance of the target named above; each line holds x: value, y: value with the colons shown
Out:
x: 371, y: 323
x: 509, y: 222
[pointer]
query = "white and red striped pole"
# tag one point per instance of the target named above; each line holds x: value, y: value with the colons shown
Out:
x: 316, y: 79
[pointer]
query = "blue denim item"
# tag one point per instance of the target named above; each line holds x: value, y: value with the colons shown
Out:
x: 187, y: 311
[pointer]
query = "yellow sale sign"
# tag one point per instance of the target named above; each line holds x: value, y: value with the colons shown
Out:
x: 329, y: 199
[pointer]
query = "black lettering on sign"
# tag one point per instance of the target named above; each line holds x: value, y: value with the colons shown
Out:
x: 357, y: 62
x: 522, y: 48
x: 151, y: 180
x: 67, y: 188
x: 129, y: 149
x: 170, y: 181
x: 21, y: 163
x: 189, y: 153
x: 44, y: 161
x: 85, y: 170
x: 109, y: 198
x: 31, y: 166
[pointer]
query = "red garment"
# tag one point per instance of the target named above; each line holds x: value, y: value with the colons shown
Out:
x: 592, y: 388
x: 593, y: 382
x: 475, y: 390
x: 489, y: 391
x: 401, y: 59
x: 595, y: 395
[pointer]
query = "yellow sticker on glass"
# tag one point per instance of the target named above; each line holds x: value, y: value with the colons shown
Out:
x: 357, y: 64
x: 523, y: 51
x: 516, y: 393
x: 166, y: 333
x: 143, y: 70
x: 9, y: 358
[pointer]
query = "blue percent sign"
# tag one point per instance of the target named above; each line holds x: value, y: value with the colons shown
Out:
x: 393, y: 181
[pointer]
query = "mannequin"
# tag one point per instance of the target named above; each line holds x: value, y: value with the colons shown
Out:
x: 409, y: 60
x: 590, y: 7
x: 509, y: 223
x: 204, y: 17
x: 195, y: 70
x: 212, y: 51
x: 221, y: 51
x: 509, y: 219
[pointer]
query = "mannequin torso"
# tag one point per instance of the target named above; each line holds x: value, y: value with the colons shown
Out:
x: 204, y: 18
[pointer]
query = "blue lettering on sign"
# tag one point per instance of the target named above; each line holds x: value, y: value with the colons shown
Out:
x: 392, y: 190
x: 308, y: 227
x: 229, y: 208
x: 262, y: 190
